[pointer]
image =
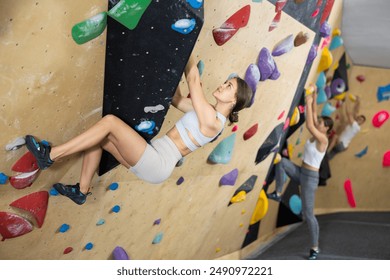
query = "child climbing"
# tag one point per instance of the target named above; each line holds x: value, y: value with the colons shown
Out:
x: 340, y: 142
x: 307, y: 175
x: 153, y: 162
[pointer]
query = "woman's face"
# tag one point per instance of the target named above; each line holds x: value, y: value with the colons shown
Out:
x: 321, y: 125
x: 226, y: 92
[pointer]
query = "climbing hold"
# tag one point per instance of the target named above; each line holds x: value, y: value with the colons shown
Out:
x: 300, y: 155
x: 250, y: 132
x: 269, y: 144
x: 362, y: 152
x: 261, y: 208
x: 298, y: 141
x: 340, y: 97
x: 116, y: 209
x: 100, y: 222
x: 200, y: 67
x: 360, y: 78
x: 23, y: 180
x: 386, y: 159
x: 286, y: 124
x: 222, y: 153
x: 290, y: 150
x: 113, y: 186
x: 328, y: 109
x: 157, y: 239
x: 239, y: 197
x: 275, y: 21
x: 180, y: 181
x: 184, y: 26
x: 27, y: 163
x: 89, y: 29
x: 295, y: 117
x: 247, y: 186
x: 301, y: 39
x: 154, y: 109
x: 68, y: 250
x: 157, y: 222
x: 217, y: 250
x: 383, y: 93
x: 325, y: 61
x: 277, y: 159
x: 352, y: 97
x: 315, y: 13
x: 63, y: 228
x: 337, y: 86
x: 232, y: 76
x: 243, y: 211
x: 232, y: 25
x: 3, y: 178
x: 337, y: 42
x: 146, y: 126
x: 53, y: 192
x: 196, y: 4
x: 281, y: 115
x: 266, y: 64
x: 328, y: 92
x: 252, y: 77
x: 119, y: 254
x: 229, y: 179
x: 129, y: 12
x: 312, y: 54
x: 349, y: 193
x: 276, y: 74
x: 12, y: 225
x: 284, y: 46
x: 279, y: 5
x: 295, y: 204
x: 235, y: 128
x: 88, y: 246
x: 380, y: 118
x: 35, y: 203
x: 15, y: 144
x: 180, y: 162
x: 321, y: 80
x: 321, y: 96
x: 325, y: 29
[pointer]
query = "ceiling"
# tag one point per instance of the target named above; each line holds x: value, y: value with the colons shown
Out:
x: 366, y: 32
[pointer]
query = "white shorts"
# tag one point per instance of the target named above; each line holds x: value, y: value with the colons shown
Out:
x: 158, y: 161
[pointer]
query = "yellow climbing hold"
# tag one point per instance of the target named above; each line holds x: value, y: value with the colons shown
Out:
x: 335, y: 65
x: 290, y: 150
x: 340, y: 96
x: 325, y: 61
x: 240, y: 196
x: 295, y: 117
x: 241, y: 225
x: 243, y: 211
x: 260, y: 209
x: 277, y: 159
x: 217, y: 250
x: 310, y: 89
x: 336, y: 32
x: 352, y: 97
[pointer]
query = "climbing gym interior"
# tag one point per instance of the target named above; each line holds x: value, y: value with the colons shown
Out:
x: 65, y: 64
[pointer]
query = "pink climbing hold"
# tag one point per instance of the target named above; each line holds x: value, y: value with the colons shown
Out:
x: 231, y: 25
x: 281, y: 115
x: 279, y: 5
x: 250, y: 132
x: 386, y: 159
x: 275, y: 21
x: 380, y: 118
x: 315, y: 13
x: 235, y: 128
x: 286, y: 124
x: 349, y: 193
x: 35, y: 203
x: 12, y: 225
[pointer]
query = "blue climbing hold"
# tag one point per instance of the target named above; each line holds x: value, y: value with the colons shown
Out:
x: 3, y: 178
x: 222, y: 153
x: 113, y: 186
x: 337, y: 41
x: 100, y: 222
x: 184, y: 26
x: 362, y: 152
x: 116, y: 209
x: 88, y: 246
x: 200, y: 66
x: 232, y: 76
x: 146, y: 126
x: 321, y: 80
x: 64, y: 228
x: 383, y: 93
x: 295, y: 203
x: 196, y: 4
x: 157, y: 239
x: 53, y: 192
x: 328, y: 109
x: 321, y: 97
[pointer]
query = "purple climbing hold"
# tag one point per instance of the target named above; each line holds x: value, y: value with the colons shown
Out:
x: 328, y: 92
x: 337, y: 87
x: 266, y: 64
x: 157, y: 222
x: 325, y: 30
x: 284, y: 46
x: 276, y: 74
x: 120, y: 254
x: 180, y: 181
x: 312, y: 54
x: 229, y: 179
x: 252, y: 76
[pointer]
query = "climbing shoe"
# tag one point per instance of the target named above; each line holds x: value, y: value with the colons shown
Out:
x: 40, y: 151
x: 274, y: 196
x: 72, y: 191
x: 313, y: 254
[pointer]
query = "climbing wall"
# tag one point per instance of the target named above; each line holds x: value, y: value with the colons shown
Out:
x: 53, y: 87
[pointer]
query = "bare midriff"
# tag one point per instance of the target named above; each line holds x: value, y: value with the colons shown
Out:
x: 309, y: 167
x: 174, y: 135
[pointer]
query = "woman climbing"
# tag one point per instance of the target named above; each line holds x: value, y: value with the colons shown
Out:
x: 307, y: 174
x: 154, y: 162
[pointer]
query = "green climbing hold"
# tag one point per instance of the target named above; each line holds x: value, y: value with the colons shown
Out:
x: 223, y: 152
x: 89, y: 29
x: 129, y: 12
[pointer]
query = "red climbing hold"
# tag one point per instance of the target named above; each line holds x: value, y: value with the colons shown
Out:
x: 68, y: 250
x: 315, y: 13
x: 360, y: 78
x: 281, y: 115
x: 27, y: 163
x: 279, y: 5
x: 12, y: 225
x: 275, y: 21
x: 349, y: 193
x: 327, y: 10
x: 231, y: 25
x: 235, y: 128
x: 250, y: 132
x: 380, y: 118
x: 35, y: 203
x: 23, y: 180
x: 386, y: 159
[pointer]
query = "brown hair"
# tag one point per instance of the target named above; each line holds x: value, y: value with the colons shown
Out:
x: 244, y: 96
x: 328, y: 122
